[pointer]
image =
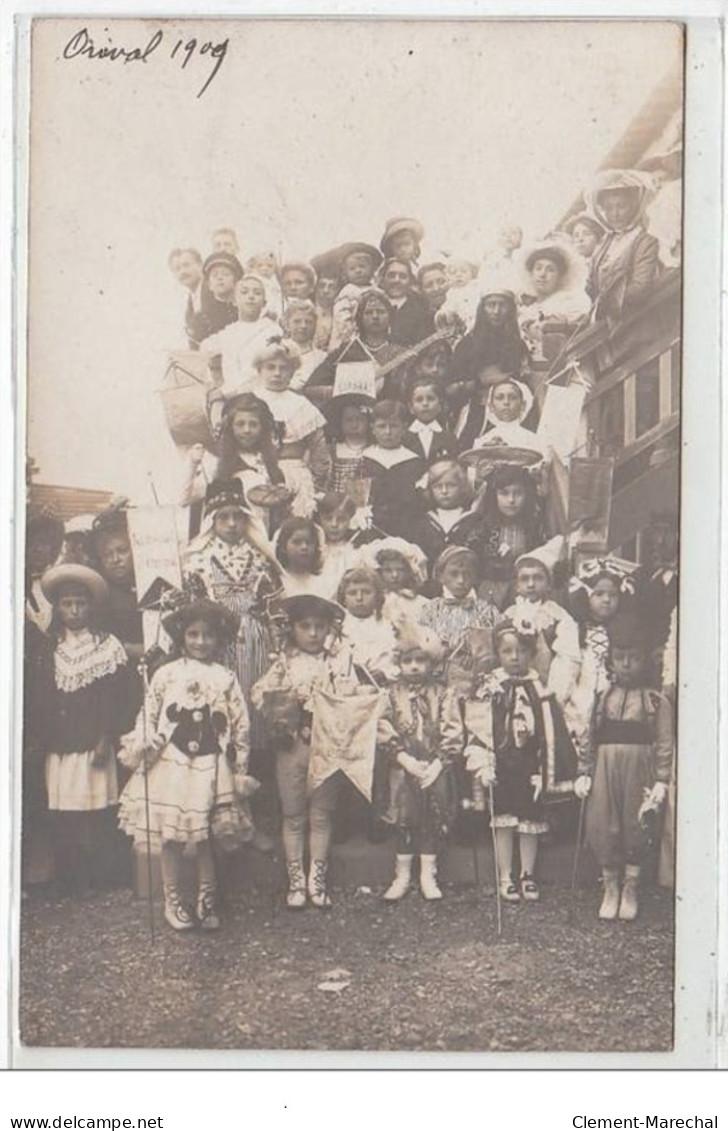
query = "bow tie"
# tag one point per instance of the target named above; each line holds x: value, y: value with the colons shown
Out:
x: 466, y: 603
x: 420, y: 428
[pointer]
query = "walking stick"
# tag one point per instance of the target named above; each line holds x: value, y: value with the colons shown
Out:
x: 467, y: 805
x: 150, y: 895
x: 499, y: 918
x: 476, y: 866
x: 577, y: 853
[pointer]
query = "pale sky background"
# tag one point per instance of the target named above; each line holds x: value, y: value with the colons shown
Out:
x: 312, y: 133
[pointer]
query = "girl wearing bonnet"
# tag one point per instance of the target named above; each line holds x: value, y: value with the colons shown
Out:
x: 499, y: 414
x: 403, y: 570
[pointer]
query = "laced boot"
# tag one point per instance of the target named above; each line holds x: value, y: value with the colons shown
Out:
x: 296, y: 896
x: 402, y: 879
x: 175, y: 912
x: 317, y: 884
x: 509, y: 892
x: 529, y: 888
x: 610, y: 902
x: 428, y: 878
x: 629, y: 903
x: 208, y: 915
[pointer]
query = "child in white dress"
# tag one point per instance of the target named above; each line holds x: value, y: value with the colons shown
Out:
x: 371, y: 635
x: 189, y: 751
x: 303, y: 455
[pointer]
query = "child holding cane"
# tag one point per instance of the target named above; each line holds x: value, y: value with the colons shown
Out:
x: 518, y: 750
x: 189, y: 751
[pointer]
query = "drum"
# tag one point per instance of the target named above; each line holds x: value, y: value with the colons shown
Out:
x: 184, y: 391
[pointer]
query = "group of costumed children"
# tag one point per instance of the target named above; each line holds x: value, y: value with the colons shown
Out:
x: 389, y: 540
x: 504, y: 711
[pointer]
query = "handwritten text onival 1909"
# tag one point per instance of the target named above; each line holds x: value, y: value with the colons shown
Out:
x: 182, y: 51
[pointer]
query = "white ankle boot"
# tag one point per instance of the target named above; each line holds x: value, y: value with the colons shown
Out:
x: 296, y: 895
x: 629, y: 903
x: 610, y: 902
x: 175, y: 911
x: 428, y: 877
x: 317, y: 892
x: 402, y: 879
x: 208, y: 915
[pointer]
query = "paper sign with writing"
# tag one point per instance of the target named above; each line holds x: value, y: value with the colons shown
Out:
x: 153, y: 534
x: 355, y: 377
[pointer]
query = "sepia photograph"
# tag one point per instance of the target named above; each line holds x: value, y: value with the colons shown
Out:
x: 352, y: 530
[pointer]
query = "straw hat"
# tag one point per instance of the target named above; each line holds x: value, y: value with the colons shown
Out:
x: 71, y: 574
x: 401, y: 224
x: 311, y: 605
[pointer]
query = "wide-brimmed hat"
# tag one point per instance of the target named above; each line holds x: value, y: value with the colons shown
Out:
x: 223, y: 621
x: 559, y: 252
x: 223, y: 259
x: 588, y: 221
x: 310, y: 605
x: 327, y: 265
x: 333, y: 409
x: 401, y: 224
x: 355, y: 247
x: 71, y: 574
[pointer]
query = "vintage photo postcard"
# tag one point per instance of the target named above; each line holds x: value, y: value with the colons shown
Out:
x: 350, y: 598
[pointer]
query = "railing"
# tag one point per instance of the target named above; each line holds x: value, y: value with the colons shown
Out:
x: 633, y: 370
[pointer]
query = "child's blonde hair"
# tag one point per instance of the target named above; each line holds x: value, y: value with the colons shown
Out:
x: 356, y: 576
x: 439, y: 470
x: 278, y: 347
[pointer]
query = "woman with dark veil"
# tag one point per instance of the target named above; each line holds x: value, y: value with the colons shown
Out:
x: 494, y: 340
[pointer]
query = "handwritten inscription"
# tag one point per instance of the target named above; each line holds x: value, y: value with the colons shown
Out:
x: 82, y: 44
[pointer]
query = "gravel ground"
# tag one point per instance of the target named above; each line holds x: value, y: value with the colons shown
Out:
x: 415, y: 976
